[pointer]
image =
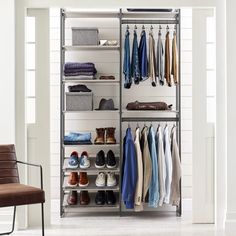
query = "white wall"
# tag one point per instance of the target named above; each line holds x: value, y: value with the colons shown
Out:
x: 109, y: 29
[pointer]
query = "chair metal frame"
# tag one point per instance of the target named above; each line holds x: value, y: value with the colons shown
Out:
x: 42, y: 204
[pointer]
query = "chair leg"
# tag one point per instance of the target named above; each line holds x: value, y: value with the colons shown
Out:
x: 13, y: 223
x: 42, y: 211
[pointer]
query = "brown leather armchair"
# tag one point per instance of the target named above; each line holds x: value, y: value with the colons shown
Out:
x: 12, y: 193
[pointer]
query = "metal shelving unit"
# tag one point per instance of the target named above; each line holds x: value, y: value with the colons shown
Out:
x: 124, y: 115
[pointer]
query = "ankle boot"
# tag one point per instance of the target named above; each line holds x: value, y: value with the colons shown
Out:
x: 100, y: 139
x: 110, y: 135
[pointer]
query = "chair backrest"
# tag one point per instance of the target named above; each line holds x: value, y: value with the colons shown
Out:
x: 8, y: 165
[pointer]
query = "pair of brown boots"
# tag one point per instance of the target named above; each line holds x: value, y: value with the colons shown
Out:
x: 105, y: 135
x: 75, y: 179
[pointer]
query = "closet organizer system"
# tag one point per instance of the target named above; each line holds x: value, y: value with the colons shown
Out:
x: 126, y: 19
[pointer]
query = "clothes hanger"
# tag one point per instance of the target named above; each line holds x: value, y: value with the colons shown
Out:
x: 127, y: 27
x: 128, y: 125
x: 175, y: 27
x: 167, y: 28
x: 159, y: 30
x: 151, y: 29
x: 143, y: 27
x: 135, y: 28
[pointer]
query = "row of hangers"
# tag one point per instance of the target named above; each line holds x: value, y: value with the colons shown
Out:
x: 151, y: 28
x: 137, y: 125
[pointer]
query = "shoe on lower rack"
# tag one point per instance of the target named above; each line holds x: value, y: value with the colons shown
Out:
x: 110, y: 197
x: 73, y: 162
x: 100, y: 180
x: 72, y: 198
x: 84, y: 198
x: 111, y: 160
x: 73, y: 179
x: 84, y: 161
x: 100, y: 160
x: 83, y: 179
x: 100, y: 198
x: 111, y: 179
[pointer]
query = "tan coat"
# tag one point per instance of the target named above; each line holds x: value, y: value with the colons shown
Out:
x: 174, y: 68
x: 176, y: 171
x: 139, y: 185
x: 147, y: 163
x: 167, y: 59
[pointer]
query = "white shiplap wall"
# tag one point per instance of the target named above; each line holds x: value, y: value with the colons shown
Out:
x: 108, y: 63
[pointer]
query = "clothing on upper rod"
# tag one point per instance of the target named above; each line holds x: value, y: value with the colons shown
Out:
x: 164, y: 59
x: 154, y: 157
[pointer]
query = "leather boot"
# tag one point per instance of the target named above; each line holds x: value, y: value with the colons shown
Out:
x: 83, y: 179
x: 110, y: 135
x: 100, y: 139
x: 73, y: 179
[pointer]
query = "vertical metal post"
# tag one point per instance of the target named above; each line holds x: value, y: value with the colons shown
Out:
x: 178, y: 102
x: 62, y: 104
x: 120, y: 117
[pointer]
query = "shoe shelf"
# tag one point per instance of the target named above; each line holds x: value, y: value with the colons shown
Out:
x: 91, y: 186
x: 90, y: 48
x: 92, y: 206
x: 92, y: 169
x: 95, y: 145
x: 94, y: 111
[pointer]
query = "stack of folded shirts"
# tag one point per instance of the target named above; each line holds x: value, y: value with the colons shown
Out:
x: 80, y: 70
x: 77, y: 138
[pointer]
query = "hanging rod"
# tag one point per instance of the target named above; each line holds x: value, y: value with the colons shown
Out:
x: 169, y: 22
x: 136, y: 119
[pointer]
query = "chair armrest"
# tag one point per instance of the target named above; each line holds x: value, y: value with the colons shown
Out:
x: 39, y: 166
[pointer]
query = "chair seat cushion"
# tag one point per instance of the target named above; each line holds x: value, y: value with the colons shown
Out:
x: 16, y: 194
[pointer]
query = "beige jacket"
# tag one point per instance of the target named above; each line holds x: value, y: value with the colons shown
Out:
x: 167, y: 59
x: 152, y: 60
x: 147, y: 163
x: 174, y: 68
x: 139, y: 185
x: 176, y: 171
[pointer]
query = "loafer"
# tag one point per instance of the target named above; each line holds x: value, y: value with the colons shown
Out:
x: 73, y: 179
x: 83, y: 179
x: 84, y: 198
x: 73, y: 162
x: 110, y: 197
x: 72, y: 198
x: 100, y: 180
x: 100, y: 160
x: 111, y: 179
x: 111, y: 160
x: 84, y: 161
x: 100, y: 198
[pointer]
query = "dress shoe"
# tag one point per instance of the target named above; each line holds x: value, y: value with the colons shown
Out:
x: 84, y: 198
x: 100, y: 139
x: 73, y: 179
x: 72, y: 198
x: 100, y: 198
x: 110, y: 135
x: 110, y: 197
x: 83, y: 179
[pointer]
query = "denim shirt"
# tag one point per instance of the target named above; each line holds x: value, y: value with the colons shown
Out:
x: 154, y: 185
x: 129, y: 178
x: 143, y: 61
x: 135, y: 71
x: 126, y: 64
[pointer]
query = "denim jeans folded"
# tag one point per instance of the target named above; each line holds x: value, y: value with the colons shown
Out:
x: 77, y: 137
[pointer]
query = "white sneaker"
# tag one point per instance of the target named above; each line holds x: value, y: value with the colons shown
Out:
x: 100, y: 180
x: 111, y: 179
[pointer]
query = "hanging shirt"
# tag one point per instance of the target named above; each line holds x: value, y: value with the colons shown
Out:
x: 152, y: 60
x: 147, y: 162
x: 168, y: 161
x: 126, y: 65
x: 129, y: 179
x: 142, y: 52
x: 154, y: 185
x: 160, y: 60
x: 139, y: 186
x: 161, y: 164
x: 135, y: 71
x: 167, y: 59
x: 176, y: 173
x: 174, y: 68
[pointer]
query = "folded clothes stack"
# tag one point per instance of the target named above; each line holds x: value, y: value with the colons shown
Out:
x: 80, y: 70
x: 77, y: 138
x: 148, y: 106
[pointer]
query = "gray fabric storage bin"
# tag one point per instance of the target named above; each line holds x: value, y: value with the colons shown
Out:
x: 79, y: 101
x: 84, y: 36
